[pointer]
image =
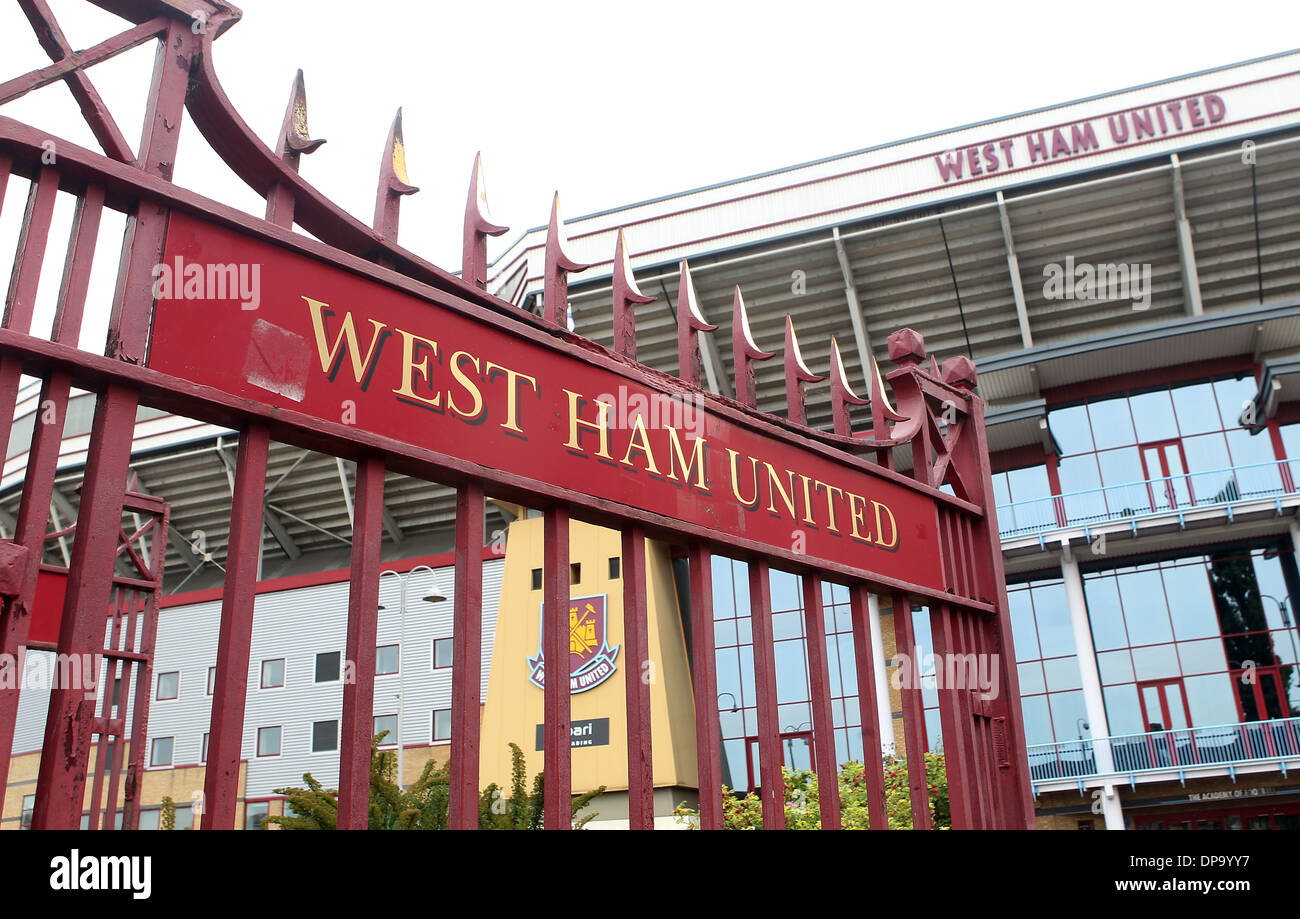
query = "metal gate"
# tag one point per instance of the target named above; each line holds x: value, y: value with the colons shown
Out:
x: 257, y: 375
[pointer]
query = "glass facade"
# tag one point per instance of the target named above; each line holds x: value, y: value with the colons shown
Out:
x: 1194, y: 641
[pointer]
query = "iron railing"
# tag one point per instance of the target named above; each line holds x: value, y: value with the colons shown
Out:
x: 1154, y: 751
x: 1134, y: 500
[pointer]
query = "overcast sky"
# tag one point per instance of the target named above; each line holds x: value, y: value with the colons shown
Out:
x: 612, y: 103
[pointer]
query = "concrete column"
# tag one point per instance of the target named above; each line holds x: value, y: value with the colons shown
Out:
x: 1090, y: 680
x: 883, y: 713
x: 1186, y: 248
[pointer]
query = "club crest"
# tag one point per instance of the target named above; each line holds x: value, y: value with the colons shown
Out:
x: 591, y: 659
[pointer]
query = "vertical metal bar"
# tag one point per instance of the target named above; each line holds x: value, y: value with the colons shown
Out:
x: 772, y: 790
x: 868, y: 705
x: 956, y: 719
x: 708, y: 743
x: 558, y: 792
x: 62, y: 775
x: 106, y: 709
x: 230, y: 688
x: 913, y: 712
x: 42, y: 460
x: 144, y: 680
x: 356, y: 729
x: 20, y: 301
x: 467, y: 658
x: 828, y: 773
x: 636, y: 679
x: 118, y: 723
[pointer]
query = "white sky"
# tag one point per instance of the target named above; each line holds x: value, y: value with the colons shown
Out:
x: 612, y: 104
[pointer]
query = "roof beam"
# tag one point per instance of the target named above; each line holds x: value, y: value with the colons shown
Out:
x: 1186, y: 250
x: 1013, y: 268
x: 178, y: 542
x: 273, y: 523
x: 391, y: 526
x: 861, y: 337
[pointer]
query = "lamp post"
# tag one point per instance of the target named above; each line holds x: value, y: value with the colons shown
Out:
x: 434, y: 596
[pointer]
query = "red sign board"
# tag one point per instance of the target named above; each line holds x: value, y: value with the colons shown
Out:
x: 256, y: 320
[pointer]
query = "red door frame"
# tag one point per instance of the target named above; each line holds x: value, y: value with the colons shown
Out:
x: 751, y: 746
x: 1169, y: 745
x: 1165, y: 472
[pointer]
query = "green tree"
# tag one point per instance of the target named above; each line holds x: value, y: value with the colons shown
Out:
x: 425, y: 805
x: 803, y: 806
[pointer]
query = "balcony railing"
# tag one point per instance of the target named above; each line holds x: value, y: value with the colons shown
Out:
x: 1135, y: 500
x: 1157, y: 751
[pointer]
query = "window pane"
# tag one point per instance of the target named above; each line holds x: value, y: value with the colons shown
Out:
x: 1031, y: 678
x: 1122, y: 710
x: 1190, y: 601
x: 1204, y: 656
x: 268, y: 741
x: 272, y: 673
x: 1067, y: 711
x: 255, y: 814
x: 1024, y: 633
x: 1145, y: 613
x: 1196, y: 408
x: 212, y: 680
x: 169, y: 685
x: 1121, y: 467
x: 442, y: 652
x: 1112, y: 425
x: 386, y: 723
x: 442, y: 724
x: 161, y: 752
x: 1070, y: 428
x: 1115, y: 666
x: 1029, y: 482
x: 1038, y: 724
x: 185, y: 817
x: 1079, y: 474
x: 1052, y: 613
x: 387, y: 659
x: 1153, y: 415
x: 1233, y: 396
x: 1062, y: 673
x: 149, y: 818
x: 327, y: 666
x: 1210, y: 699
x: 1104, y: 613
x: 324, y: 736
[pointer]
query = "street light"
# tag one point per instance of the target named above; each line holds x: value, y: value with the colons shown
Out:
x: 435, y: 595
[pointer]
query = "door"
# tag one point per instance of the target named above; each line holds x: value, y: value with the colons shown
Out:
x: 1165, y: 467
x: 796, y: 754
x: 1165, y: 709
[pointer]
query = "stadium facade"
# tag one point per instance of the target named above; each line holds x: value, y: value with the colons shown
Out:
x: 1125, y: 271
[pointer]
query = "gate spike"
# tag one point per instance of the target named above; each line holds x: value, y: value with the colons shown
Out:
x: 478, y: 227
x: 796, y: 374
x: 744, y: 352
x: 934, y: 367
x: 842, y: 394
x: 555, y: 294
x: 626, y: 295
x: 393, y: 183
x: 881, y: 411
x: 690, y: 322
x: 295, y: 139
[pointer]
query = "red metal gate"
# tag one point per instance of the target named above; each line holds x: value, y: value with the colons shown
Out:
x: 353, y: 298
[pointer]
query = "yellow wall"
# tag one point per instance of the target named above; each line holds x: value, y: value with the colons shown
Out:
x: 514, y: 705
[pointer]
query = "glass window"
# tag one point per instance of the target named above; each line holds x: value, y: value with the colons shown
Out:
x: 1207, y: 453
x: 1070, y: 428
x: 785, y: 591
x: 324, y: 736
x: 1153, y: 416
x: 1062, y: 673
x: 1112, y: 424
x: 160, y: 753
x: 273, y: 673
x: 387, y: 659
x: 1190, y: 601
x: 268, y: 741
x: 1205, y: 656
x: 203, y: 758
x: 327, y: 666
x: 1023, y: 632
x: 441, y: 653
x: 1155, y: 662
x: 1067, y: 710
x: 1028, y: 483
x: 255, y: 814
x: 1105, y: 612
x: 1196, y: 408
x: 1115, y: 666
x: 149, y: 817
x: 212, y: 680
x: 29, y: 804
x: 1052, y: 613
x: 442, y: 725
x: 1233, y: 396
x: 1145, y: 612
x: 386, y: 723
x: 184, y: 816
x: 1038, y: 723
x: 1080, y: 474
x: 1123, y: 713
x: 1031, y: 678
x: 169, y: 686
x: 1210, y: 699
x: 1122, y: 467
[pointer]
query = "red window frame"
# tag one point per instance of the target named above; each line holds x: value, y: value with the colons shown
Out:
x: 262, y: 674
x: 279, y: 747
x: 153, y: 759
x: 441, y: 641
x: 158, y: 696
x: 1165, y: 472
x: 379, y: 672
x: 751, y: 747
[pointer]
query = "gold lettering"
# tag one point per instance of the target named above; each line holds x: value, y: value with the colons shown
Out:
x: 857, y: 505
x: 677, y: 458
x: 640, y: 440
x: 735, y: 479
x: 774, y: 486
x: 830, y: 504
x: 893, y: 526
x: 807, y: 500
x: 328, y: 355
x: 600, y: 425
x: 470, y: 385
x: 410, y: 365
x: 512, y: 393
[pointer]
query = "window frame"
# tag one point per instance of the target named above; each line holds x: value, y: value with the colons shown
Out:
x: 279, y: 751
x: 153, y: 752
x: 158, y: 696
x: 447, y: 642
x: 338, y: 673
x: 284, y: 672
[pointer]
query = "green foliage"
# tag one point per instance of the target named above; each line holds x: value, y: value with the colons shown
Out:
x: 802, y: 802
x: 167, y: 817
x: 425, y: 805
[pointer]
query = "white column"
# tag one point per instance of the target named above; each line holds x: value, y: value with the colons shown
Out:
x: 1090, y: 680
x: 883, y: 713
